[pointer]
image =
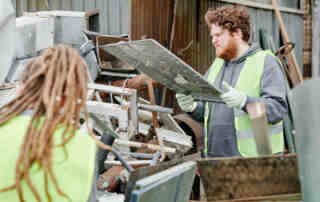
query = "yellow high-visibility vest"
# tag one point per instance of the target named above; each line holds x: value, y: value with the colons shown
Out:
x: 249, y: 82
x: 74, y: 172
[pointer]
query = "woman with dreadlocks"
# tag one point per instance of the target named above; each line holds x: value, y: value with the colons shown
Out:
x: 45, y: 157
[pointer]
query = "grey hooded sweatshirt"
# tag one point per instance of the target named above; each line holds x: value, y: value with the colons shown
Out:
x: 222, y: 141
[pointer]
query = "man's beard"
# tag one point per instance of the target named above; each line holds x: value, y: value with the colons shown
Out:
x: 229, y: 52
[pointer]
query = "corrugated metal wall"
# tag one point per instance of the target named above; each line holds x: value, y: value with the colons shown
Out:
x: 190, y: 38
x: 260, y: 18
x: 114, y: 14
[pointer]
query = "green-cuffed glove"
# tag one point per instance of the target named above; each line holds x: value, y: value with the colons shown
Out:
x: 233, y: 97
x: 186, y: 102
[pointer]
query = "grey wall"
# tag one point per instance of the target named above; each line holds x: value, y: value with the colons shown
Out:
x: 114, y: 14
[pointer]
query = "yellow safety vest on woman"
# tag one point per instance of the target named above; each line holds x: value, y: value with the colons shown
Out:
x: 249, y: 82
x: 74, y: 173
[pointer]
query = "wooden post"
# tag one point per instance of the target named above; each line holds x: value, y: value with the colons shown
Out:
x: 258, y: 116
x: 292, y: 58
x: 315, y: 40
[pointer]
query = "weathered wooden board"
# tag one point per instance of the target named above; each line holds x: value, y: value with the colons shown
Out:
x: 156, y: 61
x: 249, y: 178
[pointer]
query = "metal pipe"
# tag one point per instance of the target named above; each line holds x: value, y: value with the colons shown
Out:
x: 155, y: 159
x: 126, y: 164
x: 141, y: 162
x: 144, y: 145
x: 139, y: 155
x: 155, y: 108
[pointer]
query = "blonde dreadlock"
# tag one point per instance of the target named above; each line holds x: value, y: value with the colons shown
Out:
x: 55, y: 85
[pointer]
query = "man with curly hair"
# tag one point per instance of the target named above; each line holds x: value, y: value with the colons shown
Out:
x: 246, y: 74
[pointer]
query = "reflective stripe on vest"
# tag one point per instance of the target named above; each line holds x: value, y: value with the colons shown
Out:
x: 253, y: 66
x: 273, y: 129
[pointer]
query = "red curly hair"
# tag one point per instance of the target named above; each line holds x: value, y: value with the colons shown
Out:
x: 230, y: 18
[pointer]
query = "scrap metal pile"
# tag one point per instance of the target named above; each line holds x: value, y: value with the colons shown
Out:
x: 144, y: 133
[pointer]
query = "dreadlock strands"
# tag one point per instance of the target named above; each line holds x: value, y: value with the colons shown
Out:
x: 59, y: 74
x: 20, y: 102
x: 31, y: 186
x: 46, y: 187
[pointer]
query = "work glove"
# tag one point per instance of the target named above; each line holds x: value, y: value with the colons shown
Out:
x: 233, y: 97
x: 186, y: 102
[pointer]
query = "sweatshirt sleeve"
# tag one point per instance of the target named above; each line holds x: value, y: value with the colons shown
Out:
x: 198, y: 113
x: 273, y: 90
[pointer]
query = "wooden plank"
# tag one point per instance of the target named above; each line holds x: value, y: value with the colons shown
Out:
x: 263, y: 6
x: 242, y: 178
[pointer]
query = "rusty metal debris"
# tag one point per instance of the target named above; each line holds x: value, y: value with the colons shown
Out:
x: 144, y: 133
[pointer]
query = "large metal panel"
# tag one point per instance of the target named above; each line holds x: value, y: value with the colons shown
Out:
x: 156, y: 61
x: 144, y: 172
x: 173, y: 184
x: 305, y: 107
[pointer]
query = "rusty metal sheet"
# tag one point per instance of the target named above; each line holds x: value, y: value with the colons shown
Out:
x: 249, y: 178
x: 156, y: 61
